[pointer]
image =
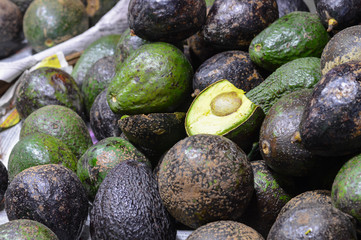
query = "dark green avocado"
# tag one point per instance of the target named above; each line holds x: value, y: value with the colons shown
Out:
x: 128, y: 206
x: 48, y: 86
x: 22, y: 229
x: 232, y: 24
x: 100, y: 158
x: 205, y: 178
x: 50, y: 194
x: 225, y: 229
x: 166, y: 20
x: 60, y: 122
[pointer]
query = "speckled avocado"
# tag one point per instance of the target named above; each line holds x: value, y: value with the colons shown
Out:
x: 100, y: 158
x: 50, y: 194
x: 26, y: 229
x: 47, y: 86
x: 154, y: 78
x: 128, y: 206
x: 295, y: 35
x: 60, y: 122
x: 205, y: 178
x: 50, y: 22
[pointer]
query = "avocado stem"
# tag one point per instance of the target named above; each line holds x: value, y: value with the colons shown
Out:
x: 331, y: 24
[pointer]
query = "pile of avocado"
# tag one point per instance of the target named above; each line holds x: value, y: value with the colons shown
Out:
x: 232, y: 119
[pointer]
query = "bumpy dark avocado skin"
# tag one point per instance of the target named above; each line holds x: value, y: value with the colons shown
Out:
x: 128, y: 206
x: 232, y: 24
x: 4, y: 180
x: 166, y: 20
x: 225, y: 230
x: 50, y: 194
x: 287, y: 6
x: 26, y: 229
x: 11, y: 22
x: 330, y: 123
x: 235, y: 66
x: 103, y: 121
x: 48, y: 86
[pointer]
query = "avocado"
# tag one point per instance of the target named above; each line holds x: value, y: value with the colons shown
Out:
x: 96, y: 9
x: 287, y: 6
x: 21, y: 229
x: 157, y: 131
x: 97, y: 79
x: 345, y: 194
x: 103, y: 121
x: 104, y: 46
x: 225, y: 229
x: 127, y: 44
x: 11, y: 31
x: 330, y: 122
x: 205, y: 178
x: 271, y: 193
x: 337, y: 15
x: 62, y: 123
x: 295, y: 35
x: 100, y: 158
x: 158, y: 73
x: 47, y: 86
x: 50, y: 194
x: 48, y: 23
x: 4, y: 181
x: 313, y: 221
x: 235, y: 66
x: 222, y: 109
x: 166, y: 21
x: 128, y: 206
x: 39, y: 149
x: 232, y: 24
x: 343, y: 47
x: 297, y: 74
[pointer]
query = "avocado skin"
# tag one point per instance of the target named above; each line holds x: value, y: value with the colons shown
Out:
x: 48, y: 86
x: 287, y: 6
x: 224, y: 229
x: 103, y: 121
x: 232, y: 24
x: 97, y: 79
x: 60, y: 122
x: 330, y: 123
x: 235, y: 66
x: 50, y: 194
x: 26, y: 229
x: 154, y: 78
x: 295, y: 35
x: 343, y: 47
x: 4, y: 181
x: 313, y: 221
x: 297, y: 74
x: 128, y: 206
x: 205, y: 178
x: 270, y: 195
x: 345, y: 12
x: 100, y: 158
x: 39, y: 149
x: 166, y: 20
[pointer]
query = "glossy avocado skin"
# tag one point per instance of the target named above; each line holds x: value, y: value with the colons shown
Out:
x: 165, y: 20
x: 287, y: 6
x: 345, y: 12
x: 50, y: 194
x: 128, y: 206
x: 232, y: 24
x: 295, y: 35
x: 235, y: 66
x: 330, y: 123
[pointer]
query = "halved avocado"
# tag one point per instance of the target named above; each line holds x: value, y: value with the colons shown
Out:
x: 222, y: 109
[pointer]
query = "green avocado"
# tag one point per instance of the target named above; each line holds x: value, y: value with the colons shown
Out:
x: 154, y: 78
x: 295, y: 35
